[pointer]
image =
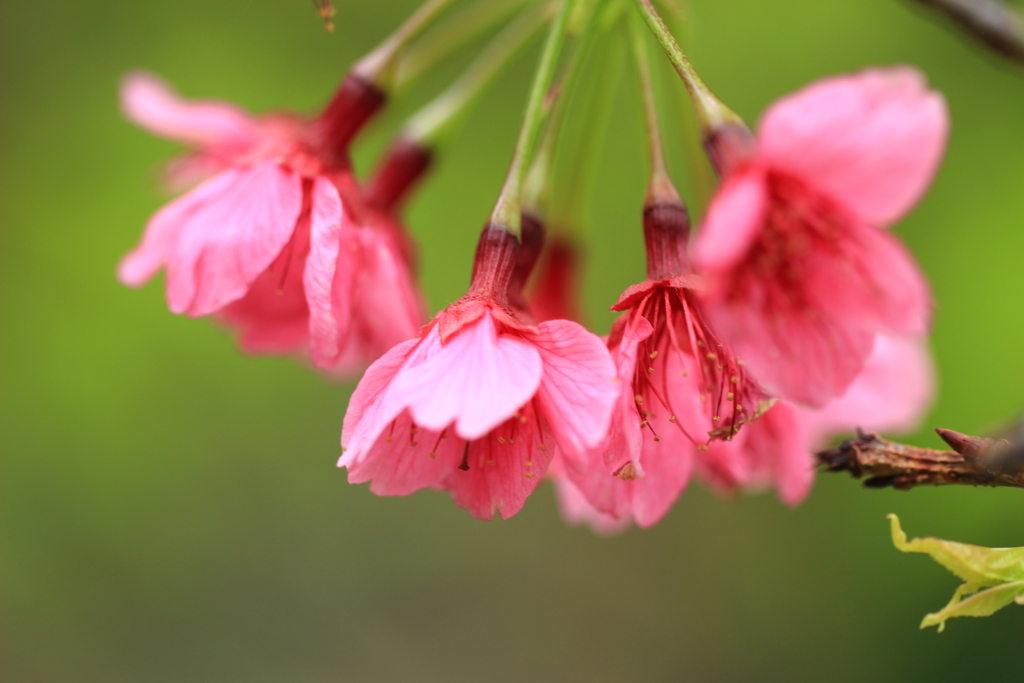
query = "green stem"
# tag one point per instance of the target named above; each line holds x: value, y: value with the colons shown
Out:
x: 711, y: 111
x: 537, y: 189
x: 660, y: 182
x: 450, y: 36
x: 442, y: 116
x: 378, y: 67
x: 581, y: 144
x: 507, y: 210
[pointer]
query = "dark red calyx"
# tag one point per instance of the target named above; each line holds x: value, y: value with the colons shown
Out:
x: 666, y: 232
x: 497, y: 254
x: 533, y: 232
x: 355, y: 103
x: 404, y: 166
x: 729, y: 146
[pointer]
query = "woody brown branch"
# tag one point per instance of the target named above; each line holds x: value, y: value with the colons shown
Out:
x: 994, y: 23
x: 973, y: 461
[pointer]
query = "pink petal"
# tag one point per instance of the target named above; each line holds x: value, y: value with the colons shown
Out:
x: 502, y: 472
x: 579, y: 390
x: 477, y: 380
x: 576, y: 510
x: 374, y: 403
x: 622, y: 445
x: 901, y: 299
x: 802, y: 354
x: 872, y: 140
x: 891, y: 394
x: 327, y: 323
x: 272, y: 318
x: 150, y: 103
x: 386, y: 299
x: 668, y: 465
x: 403, y: 461
x: 228, y: 241
x: 732, y: 222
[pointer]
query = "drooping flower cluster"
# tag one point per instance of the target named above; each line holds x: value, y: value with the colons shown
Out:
x: 278, y: 240
x: 793, y: 315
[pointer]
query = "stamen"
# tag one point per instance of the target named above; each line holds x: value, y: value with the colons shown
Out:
x: 464, y: 466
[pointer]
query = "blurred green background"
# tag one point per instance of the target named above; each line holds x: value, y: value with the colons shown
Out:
x: 170, y: 509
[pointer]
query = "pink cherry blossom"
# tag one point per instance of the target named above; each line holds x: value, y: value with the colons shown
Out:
x: 891, y: 395
x: 801, y: 275
x: 479, y: 403
x: 680, y: 387
x: 278, y: 242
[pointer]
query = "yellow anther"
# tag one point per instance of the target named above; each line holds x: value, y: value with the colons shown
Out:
x: 730, y: 396
x: 712, y: 356
x: 650, y: 371
x: 734, y: 379
x: 672, y: 419
x: 433, y: 455
x: 529, y: 475
x: 654, y: 354
x: 501, y: 439
x: 639, y: 398
x: 543, y: 447
x: 702, y: 447
x: 716, y: 418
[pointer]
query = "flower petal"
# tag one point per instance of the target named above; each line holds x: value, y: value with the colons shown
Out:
x: 328, y: 324
x: 403, y: 461
x: 871, y: 141
x: 891, y: 394
x: 503, y: 471
x: 228, y: 241
x: 478, y: 380
x: 576, y: 510
x: 385, y: 297
x: 732, y: 222
x: 150, y: 103
x: 622, y: 444
x: 367, y: 414
x: 579, y: 389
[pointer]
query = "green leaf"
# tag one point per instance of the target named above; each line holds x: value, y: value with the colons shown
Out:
x: 981, y: 604
x: 993, y: 577
x: 972, y: 563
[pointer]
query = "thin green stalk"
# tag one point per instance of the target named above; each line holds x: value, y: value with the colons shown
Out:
x: 378, y: 67
x: 451, y: 35
x: 660, y: 181
x: 508, y: 208
x: 443, y: 115
x: 710, y: 110
x: 587, y: 119
x: 537, y: 189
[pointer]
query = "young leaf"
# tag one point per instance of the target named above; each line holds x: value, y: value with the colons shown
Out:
x: 993, y: 577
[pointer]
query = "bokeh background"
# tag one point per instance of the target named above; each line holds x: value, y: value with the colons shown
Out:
x: 170, y: 509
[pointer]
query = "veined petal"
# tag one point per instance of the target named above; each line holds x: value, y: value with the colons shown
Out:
x: 366, y: 416
x: 164, y: 230
x: 404, y: 459
x: 478, y: 380
x: 505, y: 467
x: 622, y: 444
x: 228, y: 241
x: 148, y: 102
x: 578, y: 391
x: 871, y: 140
x: 327, y: 323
